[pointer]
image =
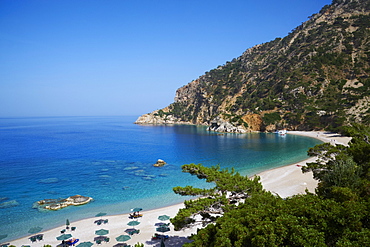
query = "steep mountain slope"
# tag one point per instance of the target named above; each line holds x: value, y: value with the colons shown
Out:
x: 316, y: 77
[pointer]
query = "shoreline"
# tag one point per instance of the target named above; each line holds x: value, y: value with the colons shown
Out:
x: 289, y: 180
x: 285, y: 181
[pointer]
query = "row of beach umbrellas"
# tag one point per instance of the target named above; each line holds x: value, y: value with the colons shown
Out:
x: 102, y: 232
x: 121, y: 238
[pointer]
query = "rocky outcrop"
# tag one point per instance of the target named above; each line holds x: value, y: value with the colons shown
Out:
x: 156, y: 118
x: 159, y: 163
x: 56, y: 204
x: 254, y: 121
x: 220, y: 125
x: 9, y: 204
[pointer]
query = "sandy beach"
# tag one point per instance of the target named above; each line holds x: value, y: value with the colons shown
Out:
x: 289, y: 180
x: 117, y: 224
x: 284, y: 181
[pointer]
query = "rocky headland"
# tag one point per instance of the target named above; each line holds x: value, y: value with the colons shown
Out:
x: 315, y: 78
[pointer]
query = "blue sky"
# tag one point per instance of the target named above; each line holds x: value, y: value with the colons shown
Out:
x: 125, y: 57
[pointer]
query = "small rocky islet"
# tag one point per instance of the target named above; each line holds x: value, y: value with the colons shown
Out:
x: 56, y: 204
x: 160, y: 163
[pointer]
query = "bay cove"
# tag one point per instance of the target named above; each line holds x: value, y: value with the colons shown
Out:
x: 111, y: 160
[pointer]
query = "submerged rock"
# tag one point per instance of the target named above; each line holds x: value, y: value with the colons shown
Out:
x: 52, y: 192
x: 131, y: 168
x: 138, y: 172
x: 9, y: 204
x: 56, y: 204
x: 160, y: 163
x: 48, y: 180
x: 3, y: 199
x: 148, y: 177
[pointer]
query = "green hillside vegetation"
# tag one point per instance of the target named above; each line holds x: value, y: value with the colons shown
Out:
x: 317, y: 77
x: 238, y: 212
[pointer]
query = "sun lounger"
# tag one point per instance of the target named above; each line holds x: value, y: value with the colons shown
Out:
x: 72, y: 242
x: 73, y: 228
x: 159, y: 236
x: 135, y: 216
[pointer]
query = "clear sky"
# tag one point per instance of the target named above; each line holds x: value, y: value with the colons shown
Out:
x: 125, y: 57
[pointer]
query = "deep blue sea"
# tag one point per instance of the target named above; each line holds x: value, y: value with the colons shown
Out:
x: 111, y: 159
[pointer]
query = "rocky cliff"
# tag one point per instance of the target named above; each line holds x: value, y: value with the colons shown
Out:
x: 317, y: 77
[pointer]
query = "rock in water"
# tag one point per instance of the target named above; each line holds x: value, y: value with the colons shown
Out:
x: 160, y: 163
x: 56, y: 204
x: 9, y: 204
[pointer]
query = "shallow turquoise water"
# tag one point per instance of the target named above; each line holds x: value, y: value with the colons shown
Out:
x: 111, y: 159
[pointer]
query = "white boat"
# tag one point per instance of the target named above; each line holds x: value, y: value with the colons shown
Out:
x: 282, y: 132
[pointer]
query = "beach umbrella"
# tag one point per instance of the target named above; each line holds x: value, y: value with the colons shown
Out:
x: 85, y: 244
x: 133, y: 223
x: 136, y: 209
x: 67, y: 222
x: 163, y: 229
x: 100, y: 214
x: 123, y: 238
x: 64, y: 236
x: 3, y: 236
x: 163, y: 217
x: 34, y: 229
x: 101, y: 232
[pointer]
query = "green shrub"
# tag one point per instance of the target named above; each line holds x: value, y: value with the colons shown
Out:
x: 271, y: 118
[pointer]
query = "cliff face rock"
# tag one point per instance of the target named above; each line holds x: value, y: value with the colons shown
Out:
x: 219, y: 125
x: 316, y: 77
x: 254, y: 122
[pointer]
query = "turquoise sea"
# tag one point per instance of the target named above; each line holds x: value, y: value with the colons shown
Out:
x: 111, y: 159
